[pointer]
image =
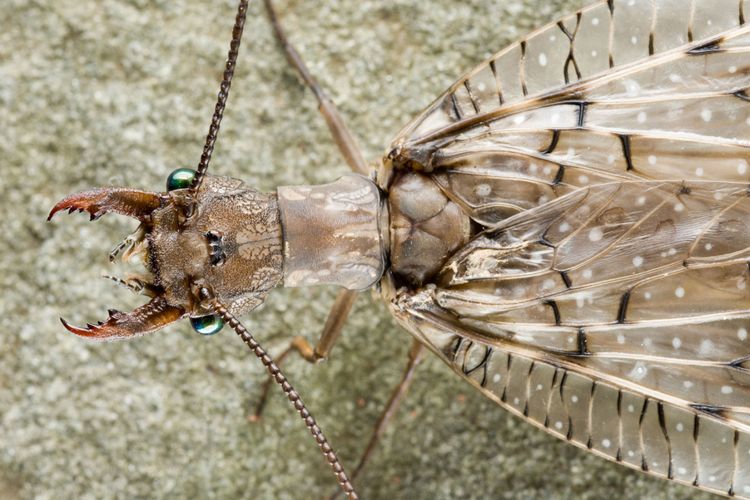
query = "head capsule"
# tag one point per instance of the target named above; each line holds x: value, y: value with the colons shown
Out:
x: 230, y: 243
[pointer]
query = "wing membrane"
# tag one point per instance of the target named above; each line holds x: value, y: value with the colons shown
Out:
x: 640, y: 412
x: 606, y: 298
x: 648, y: 49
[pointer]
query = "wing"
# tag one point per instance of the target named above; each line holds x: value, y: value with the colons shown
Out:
x: 605, y: 296
x: 625, y: 89
x: 615, y: 317
x: 693, y: 445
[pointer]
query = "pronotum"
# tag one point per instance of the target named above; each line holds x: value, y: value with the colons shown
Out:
x: 703, y: 115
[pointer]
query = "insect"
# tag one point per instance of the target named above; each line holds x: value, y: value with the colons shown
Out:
x: 596, y: 205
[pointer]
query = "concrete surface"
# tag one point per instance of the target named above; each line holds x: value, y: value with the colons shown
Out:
x: 109, y: 92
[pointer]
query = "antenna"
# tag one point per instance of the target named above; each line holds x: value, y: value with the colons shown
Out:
x: 289, y: 391
x: 218, y: 307
x: 221, y: 101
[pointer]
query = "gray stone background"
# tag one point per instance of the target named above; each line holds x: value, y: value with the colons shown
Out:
x: 107, y: 92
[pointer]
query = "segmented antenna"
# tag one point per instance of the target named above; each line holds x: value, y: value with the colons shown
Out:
x: 221, y: 101
x: 289, y: 391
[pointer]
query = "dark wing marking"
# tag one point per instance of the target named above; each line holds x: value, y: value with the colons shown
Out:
x: 607, y: 298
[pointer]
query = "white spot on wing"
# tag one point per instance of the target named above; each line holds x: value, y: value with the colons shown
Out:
x: 639, y: 371
x: 706, y: 347
x: 483, y: 189
x: 742, y: 167
x: 595, y: 234
x: 632, y: 88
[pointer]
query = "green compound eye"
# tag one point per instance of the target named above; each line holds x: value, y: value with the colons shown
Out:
x: 207, y: 325
x: 182, y: 178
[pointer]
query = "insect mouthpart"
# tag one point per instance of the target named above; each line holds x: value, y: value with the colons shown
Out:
x: 224, y: 237
x: 139, y: 205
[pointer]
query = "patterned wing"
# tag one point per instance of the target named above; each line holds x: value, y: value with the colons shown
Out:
x: 694, y: 445
x: 615, y: 317
x: 604, y: 297
x: 625, y: 89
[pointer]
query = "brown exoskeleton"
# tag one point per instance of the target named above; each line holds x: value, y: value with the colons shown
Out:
x: 230, y: 244
x: 213, y: 247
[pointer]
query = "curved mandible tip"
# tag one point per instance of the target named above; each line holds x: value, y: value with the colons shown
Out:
x: 154, y: 315
x: 99, y: 201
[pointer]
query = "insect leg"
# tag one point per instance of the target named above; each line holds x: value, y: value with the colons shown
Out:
x: 416, y: 354
x: 347, y: 144
x: 341, y: 134
x: 331, y: 331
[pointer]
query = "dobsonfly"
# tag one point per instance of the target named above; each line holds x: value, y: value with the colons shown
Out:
x: 566, y: 227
